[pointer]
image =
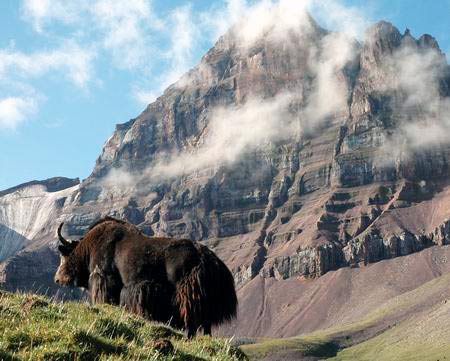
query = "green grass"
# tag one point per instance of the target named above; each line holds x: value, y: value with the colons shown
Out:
x: 424, y: 337
x: 376, y: 350
x: 35, y: 328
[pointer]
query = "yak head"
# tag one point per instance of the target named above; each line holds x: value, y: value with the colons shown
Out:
x: 67, y: 273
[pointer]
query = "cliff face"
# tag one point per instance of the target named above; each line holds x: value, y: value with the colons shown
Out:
x: 281, y: 171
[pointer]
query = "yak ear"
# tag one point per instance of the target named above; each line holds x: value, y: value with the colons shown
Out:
x: 65, y: 251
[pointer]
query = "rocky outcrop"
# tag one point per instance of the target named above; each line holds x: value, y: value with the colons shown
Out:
x: 326, y: 193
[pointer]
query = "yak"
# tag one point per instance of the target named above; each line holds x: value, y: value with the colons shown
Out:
x: 179, y: 282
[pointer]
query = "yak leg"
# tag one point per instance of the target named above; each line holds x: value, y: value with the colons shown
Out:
x: 147, y: 299
x: 104, y: 288
x: 192, y: 331
x: 207, y: 328
x: 97, y: 286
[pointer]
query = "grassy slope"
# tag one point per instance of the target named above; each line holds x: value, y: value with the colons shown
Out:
x: 407, y: 327
x: 34, y: 328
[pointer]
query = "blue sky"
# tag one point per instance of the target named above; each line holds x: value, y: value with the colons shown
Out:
x: 70, y: 70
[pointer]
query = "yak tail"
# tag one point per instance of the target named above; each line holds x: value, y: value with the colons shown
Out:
x: 206, y: 296
x: 147, y: 299
x: 189, y: 297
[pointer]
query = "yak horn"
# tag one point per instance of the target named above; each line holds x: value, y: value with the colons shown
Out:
x: 64, y: 241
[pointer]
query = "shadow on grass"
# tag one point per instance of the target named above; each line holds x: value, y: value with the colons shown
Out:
x: 115, y: 329
x: 291, y: 349
x: 327, y: 349
x: 181, y: 356
x: 6, y: 356
x: 15, y: 341
x: 94, y: 346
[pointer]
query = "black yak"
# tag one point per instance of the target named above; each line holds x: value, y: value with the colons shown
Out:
x: 163, y: 279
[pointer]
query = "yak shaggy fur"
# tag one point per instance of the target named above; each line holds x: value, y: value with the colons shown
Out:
x: 163, y: 279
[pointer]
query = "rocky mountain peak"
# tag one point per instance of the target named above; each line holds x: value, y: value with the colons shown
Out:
x: 427, y: 41
x: 381, y: 40
x: 383, y: 36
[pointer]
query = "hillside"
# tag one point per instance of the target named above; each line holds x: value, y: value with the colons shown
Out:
x: 302, y: 306
x: 35, y: 328
x: 412, y: 326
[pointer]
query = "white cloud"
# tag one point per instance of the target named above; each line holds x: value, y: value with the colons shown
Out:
x: 16, y: 110
x: 253, y: 20
x: 340, y: 17
x: 231, y: 132
x: 135, y: 35
x: 184, y: 38
x: 123, y: 27
x: 416, y: 75
x: 41, y: 12
x: 144, y: 97
x: 330, y: 92
x: 126, y: 27
x: 72, y: 60
x: 217, y: 21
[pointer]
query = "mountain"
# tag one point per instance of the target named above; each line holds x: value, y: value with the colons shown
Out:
x: 292, y: 154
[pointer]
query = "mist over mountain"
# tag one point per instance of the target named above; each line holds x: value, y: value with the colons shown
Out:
x: 290, y: 150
